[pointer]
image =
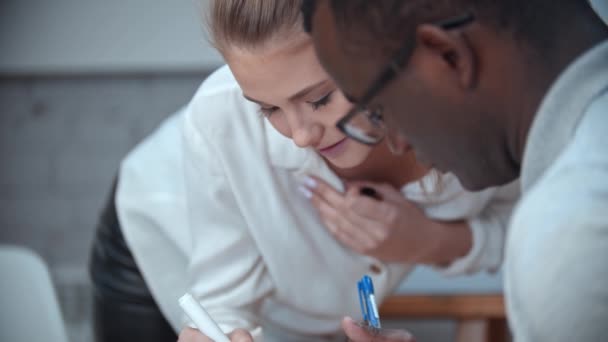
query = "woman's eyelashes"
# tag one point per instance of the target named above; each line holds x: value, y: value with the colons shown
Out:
x: 322, y: 101
x: 267, y: 111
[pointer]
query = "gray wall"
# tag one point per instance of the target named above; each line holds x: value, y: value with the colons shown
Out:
x: 76, y: 36
x: 85, y: 36
x: 61, y: 140
x: 601, y: 6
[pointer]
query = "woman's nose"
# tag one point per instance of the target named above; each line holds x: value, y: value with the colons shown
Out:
x: 306, y: 134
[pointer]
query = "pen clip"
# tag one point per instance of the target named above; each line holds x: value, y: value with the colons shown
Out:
x: 363, y: 301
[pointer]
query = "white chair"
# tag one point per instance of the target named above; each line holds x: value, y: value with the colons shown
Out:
x: 601, y: 7
x: 29, y: 310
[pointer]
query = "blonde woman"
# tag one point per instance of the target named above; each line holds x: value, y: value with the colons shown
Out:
x: 278, y: 232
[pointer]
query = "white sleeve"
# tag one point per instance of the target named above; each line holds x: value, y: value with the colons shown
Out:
x: 151, y: 221
x: 227, y: 273
x: 488, y: 228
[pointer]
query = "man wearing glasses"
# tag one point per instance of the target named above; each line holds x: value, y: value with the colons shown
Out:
x: 492, y: 90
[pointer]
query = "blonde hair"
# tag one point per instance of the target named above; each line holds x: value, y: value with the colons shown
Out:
x: 249, y: 24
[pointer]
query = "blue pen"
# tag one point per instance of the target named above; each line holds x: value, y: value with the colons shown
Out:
x: 367, y: 301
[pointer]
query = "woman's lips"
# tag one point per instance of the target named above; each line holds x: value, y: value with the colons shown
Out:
x: 335, y: 149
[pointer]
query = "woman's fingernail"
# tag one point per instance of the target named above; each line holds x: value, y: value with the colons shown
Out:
x: 310, y: 182
x: 305, y: 192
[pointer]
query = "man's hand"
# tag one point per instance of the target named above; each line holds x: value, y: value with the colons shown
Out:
x: 358, y: 333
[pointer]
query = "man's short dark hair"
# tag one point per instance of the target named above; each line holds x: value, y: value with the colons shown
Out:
x: 308, y: 10
x: 533, y: 21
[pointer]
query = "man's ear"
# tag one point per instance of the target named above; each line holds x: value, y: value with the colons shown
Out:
x: 451, y: 49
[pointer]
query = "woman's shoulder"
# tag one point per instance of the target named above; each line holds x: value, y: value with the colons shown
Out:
x: 155, y: 164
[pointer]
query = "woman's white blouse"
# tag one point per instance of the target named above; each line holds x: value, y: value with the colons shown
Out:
x: 209, y: 204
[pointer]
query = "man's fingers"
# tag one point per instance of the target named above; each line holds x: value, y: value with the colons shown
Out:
x: 240, y: 335
x: 357, y: 333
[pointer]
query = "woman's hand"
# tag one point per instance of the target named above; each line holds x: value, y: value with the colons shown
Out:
x: 356, y: 333
x: 194, y: 335
x: 390, y: 229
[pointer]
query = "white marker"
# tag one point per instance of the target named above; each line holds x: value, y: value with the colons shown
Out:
x: 201, y: 318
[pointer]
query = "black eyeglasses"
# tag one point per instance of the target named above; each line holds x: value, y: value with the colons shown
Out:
x: 366, y: 124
